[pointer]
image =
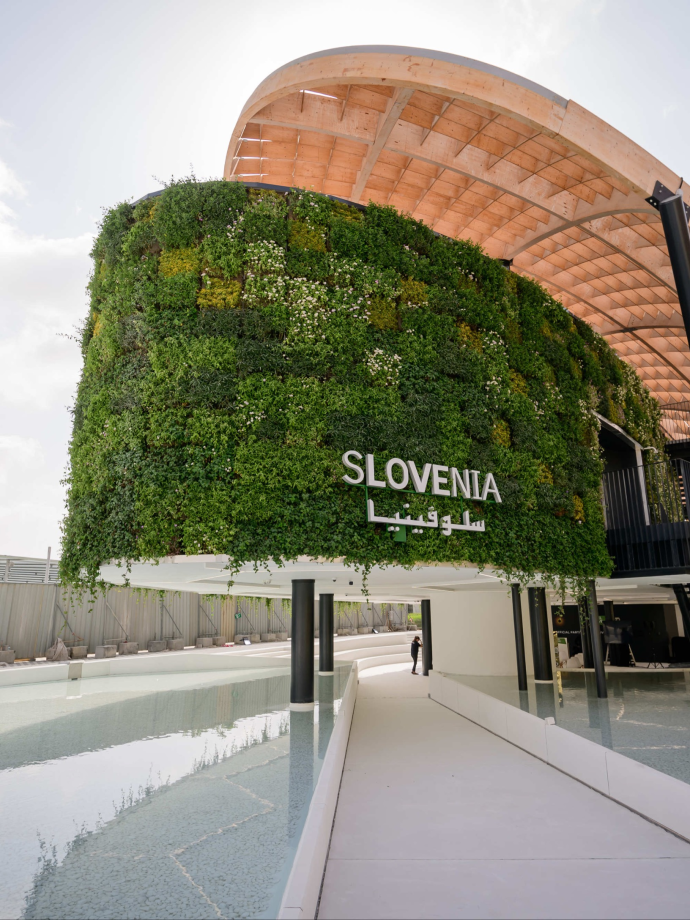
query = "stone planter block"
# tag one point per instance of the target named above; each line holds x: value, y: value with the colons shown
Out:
x: 7, y: 656
x: 240, y: 637
x: 219, y: 640
x: 78, y: 651
x: 255, y: 637
x: 106, y: 651
x: 282, y: 636
x: 128, y: 648
x: 204, y: 642
x: 157, y: 645
x: 268, y: 637
x: 363, y: 630
x: 175, y: 645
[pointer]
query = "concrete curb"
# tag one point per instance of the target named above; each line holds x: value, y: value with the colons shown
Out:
x: 662, y: 799
x: 301, y: 895
x: 376, y: 661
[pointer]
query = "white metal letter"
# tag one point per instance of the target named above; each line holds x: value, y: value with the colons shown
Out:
x: 353, y: 466
x: 389, y: 473
x: 420, y: 482
x: 437, y: 480
x: 459, y: 481
x: 490, y: 486
x: 475, y: 483
x: 371, y: 474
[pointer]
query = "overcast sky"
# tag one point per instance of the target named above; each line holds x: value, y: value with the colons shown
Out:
x: 100, y: 100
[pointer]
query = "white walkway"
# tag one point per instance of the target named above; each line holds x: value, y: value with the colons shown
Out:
x: 439, y: 818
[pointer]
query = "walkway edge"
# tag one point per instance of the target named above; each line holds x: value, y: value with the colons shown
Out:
x: 662, y: 799
x: 301, y: 895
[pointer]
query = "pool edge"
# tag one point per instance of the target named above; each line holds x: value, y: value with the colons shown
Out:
x: 301, y: 895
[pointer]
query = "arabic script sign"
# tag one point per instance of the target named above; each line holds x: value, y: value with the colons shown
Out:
x: 445, y: 481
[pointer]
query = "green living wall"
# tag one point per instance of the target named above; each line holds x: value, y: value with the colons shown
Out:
x: 239, y: 341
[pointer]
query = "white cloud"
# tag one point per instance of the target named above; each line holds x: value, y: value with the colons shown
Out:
x: 9, y: 181
x: 32, y: 497
x: 42, y: 298
x: 42, y: 283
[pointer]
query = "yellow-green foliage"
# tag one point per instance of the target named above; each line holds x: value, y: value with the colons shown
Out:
x: 544, y: 474
x: 383, y: 313
x: 468, y: 336
x: 518, y: 384
x: 177, y: 261
x: 413, y: 292
x: 501, y: 434
x: 578, y: 509
x: 219, y: 294
x: 302, y: 236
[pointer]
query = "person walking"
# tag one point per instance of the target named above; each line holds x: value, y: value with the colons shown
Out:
x: 414, y: 650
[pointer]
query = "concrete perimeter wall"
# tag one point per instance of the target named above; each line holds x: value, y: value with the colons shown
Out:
x: 33, y: 616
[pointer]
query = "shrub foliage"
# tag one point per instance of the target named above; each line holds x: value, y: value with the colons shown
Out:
x: 239, y: 341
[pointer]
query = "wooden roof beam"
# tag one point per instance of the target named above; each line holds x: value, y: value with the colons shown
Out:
x: 387, y: 121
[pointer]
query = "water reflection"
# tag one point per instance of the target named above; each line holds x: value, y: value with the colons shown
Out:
x: 326, y: 711
x: 301, y: 769
x: 138, y: 802
x: 646, y: 715
x: 546, y: 704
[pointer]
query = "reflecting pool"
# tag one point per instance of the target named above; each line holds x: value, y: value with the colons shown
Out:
x: 646, y: 716
x: 175, y: 795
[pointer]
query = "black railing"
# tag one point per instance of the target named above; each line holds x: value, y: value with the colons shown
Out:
x: 675, y: 421
x: 647, y: 522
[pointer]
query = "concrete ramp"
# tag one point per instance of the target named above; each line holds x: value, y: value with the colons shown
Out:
x: 439, y: 818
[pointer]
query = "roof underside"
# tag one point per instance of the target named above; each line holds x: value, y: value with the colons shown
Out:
x: 489, y: 157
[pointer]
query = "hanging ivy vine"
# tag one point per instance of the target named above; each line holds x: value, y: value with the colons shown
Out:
x: 239, y: 341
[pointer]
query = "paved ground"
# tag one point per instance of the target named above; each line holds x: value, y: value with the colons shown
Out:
x: 439, y: 818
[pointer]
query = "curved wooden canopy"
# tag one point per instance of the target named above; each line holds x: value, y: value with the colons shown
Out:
x: 482, y: 154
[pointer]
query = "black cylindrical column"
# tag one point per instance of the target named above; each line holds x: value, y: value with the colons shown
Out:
x: 541, y: 639
x: 519, y: 638
x: 325, y: 633
x: 597, y: 645
x: 675, y: 223
x: 302, y: 674
x: 585, y: 635
x: 427, y: 657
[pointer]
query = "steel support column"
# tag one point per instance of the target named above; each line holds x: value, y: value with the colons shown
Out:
x: 585, y: 635
x: 302, y: 645
x: 674, y: 220
x: 325, y: 633
x: 684, y: 606
x: 597, y: 645
x: 519, y: 638
x: 541, y: 637
x: 427, y: 656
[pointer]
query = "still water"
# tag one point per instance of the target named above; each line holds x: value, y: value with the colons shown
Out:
x: 175, y: 795
x: 646, y: 716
